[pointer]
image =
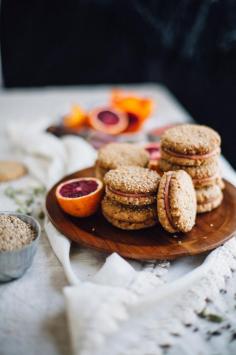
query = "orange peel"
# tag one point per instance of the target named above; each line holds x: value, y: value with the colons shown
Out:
x: 76, y: 118
x: 133, y: 104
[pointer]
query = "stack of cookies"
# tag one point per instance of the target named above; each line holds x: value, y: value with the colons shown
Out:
x: 195, y: 149
x: 137, y: 198
x: 130, y: 197
x: 115, y: 155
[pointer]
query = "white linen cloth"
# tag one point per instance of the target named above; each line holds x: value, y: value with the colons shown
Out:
x: 99, y: 308
x: 123, y: 302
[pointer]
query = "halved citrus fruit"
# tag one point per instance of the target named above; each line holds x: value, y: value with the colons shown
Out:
x: 80, y: 197
x: 135, y: 123
x: 108, y: 120
x: 76, y: 118
x: 131, y: 103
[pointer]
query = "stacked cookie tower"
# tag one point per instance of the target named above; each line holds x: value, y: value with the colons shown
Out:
x: 195, y: 149
x: 130, y: 194
x: 130, y: 197
x: 137, y: 198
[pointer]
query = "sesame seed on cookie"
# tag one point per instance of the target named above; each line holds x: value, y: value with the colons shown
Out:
x: 190, y: 145
x: 176, y: 202
x: 114, y: 155
x: 132, y: 185
x: 129, y: 217
x: 202, y: 175
x: 208, y: 198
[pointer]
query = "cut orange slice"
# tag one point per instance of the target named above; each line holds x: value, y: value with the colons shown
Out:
x: 80, y: 197
x: 76, y: 118
x: 132, y: 104
x: 108, y: 120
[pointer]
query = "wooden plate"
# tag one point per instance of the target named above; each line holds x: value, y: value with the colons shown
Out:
x: 211, y: 230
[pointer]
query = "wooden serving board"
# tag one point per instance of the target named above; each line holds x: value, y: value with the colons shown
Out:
x: 211, y: 230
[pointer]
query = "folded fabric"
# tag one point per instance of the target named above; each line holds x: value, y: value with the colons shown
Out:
x: 120, y: 303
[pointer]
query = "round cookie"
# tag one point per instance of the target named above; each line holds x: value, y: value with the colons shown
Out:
x: 211, y: 181
x: 11, y: 170
x: 203, y: 175
x: 208, y: 198
x: 190, y: 145
x: 130, y: 225
x: 114, y: 155
x: 127, y: 217
x: 132, y: 185
x: 176, y: 202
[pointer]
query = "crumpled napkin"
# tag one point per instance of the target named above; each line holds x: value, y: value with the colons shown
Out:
x: 48, y: 159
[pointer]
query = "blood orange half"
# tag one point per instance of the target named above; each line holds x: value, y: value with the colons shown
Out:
x: 80, y: 197
x: 108, y: 120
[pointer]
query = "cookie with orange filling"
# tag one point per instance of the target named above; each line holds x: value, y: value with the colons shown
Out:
x: 132, y: 185
x: 176, y: 202
x: 202, y: 176
x: 129, y: 217
x: 115, y: 155
x: 208, y: 198
x: 190, y: 145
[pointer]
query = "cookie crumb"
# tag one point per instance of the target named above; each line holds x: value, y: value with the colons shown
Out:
x: 211, y: 225
x: 179, y: 242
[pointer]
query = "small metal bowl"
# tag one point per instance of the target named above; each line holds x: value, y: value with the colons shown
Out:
x: 13, y: 264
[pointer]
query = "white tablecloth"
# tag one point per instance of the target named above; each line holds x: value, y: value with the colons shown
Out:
x: 34, y: 322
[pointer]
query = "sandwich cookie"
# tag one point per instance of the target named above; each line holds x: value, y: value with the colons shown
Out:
x: 190, y: 145
x: 203, y: 175
x: 208, y: 198
x: 129, y: 217
x: 132, y: 185
x: 176, y: 202
x: 115, y: 155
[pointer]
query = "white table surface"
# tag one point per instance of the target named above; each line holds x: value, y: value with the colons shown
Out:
x: 35, y: 323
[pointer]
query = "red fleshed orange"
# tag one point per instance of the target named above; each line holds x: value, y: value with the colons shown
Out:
x: 80, y: 197
x: 108, y: 120
x: 132, y: 104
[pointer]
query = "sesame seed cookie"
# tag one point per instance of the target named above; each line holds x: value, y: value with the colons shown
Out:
x: 127, y: 217
x: 190, y: 145
x: 208, y: 198
x: 176, y: 202
x: 130, y: 225
x: 114, y: 155
x: 132, y: 185
x: 203, y: 175
x: 11, y: 170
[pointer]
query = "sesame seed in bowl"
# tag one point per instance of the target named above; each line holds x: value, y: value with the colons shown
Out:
x: 19, y: 235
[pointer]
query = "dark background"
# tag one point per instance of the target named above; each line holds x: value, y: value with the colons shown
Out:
x: 190, y: 46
